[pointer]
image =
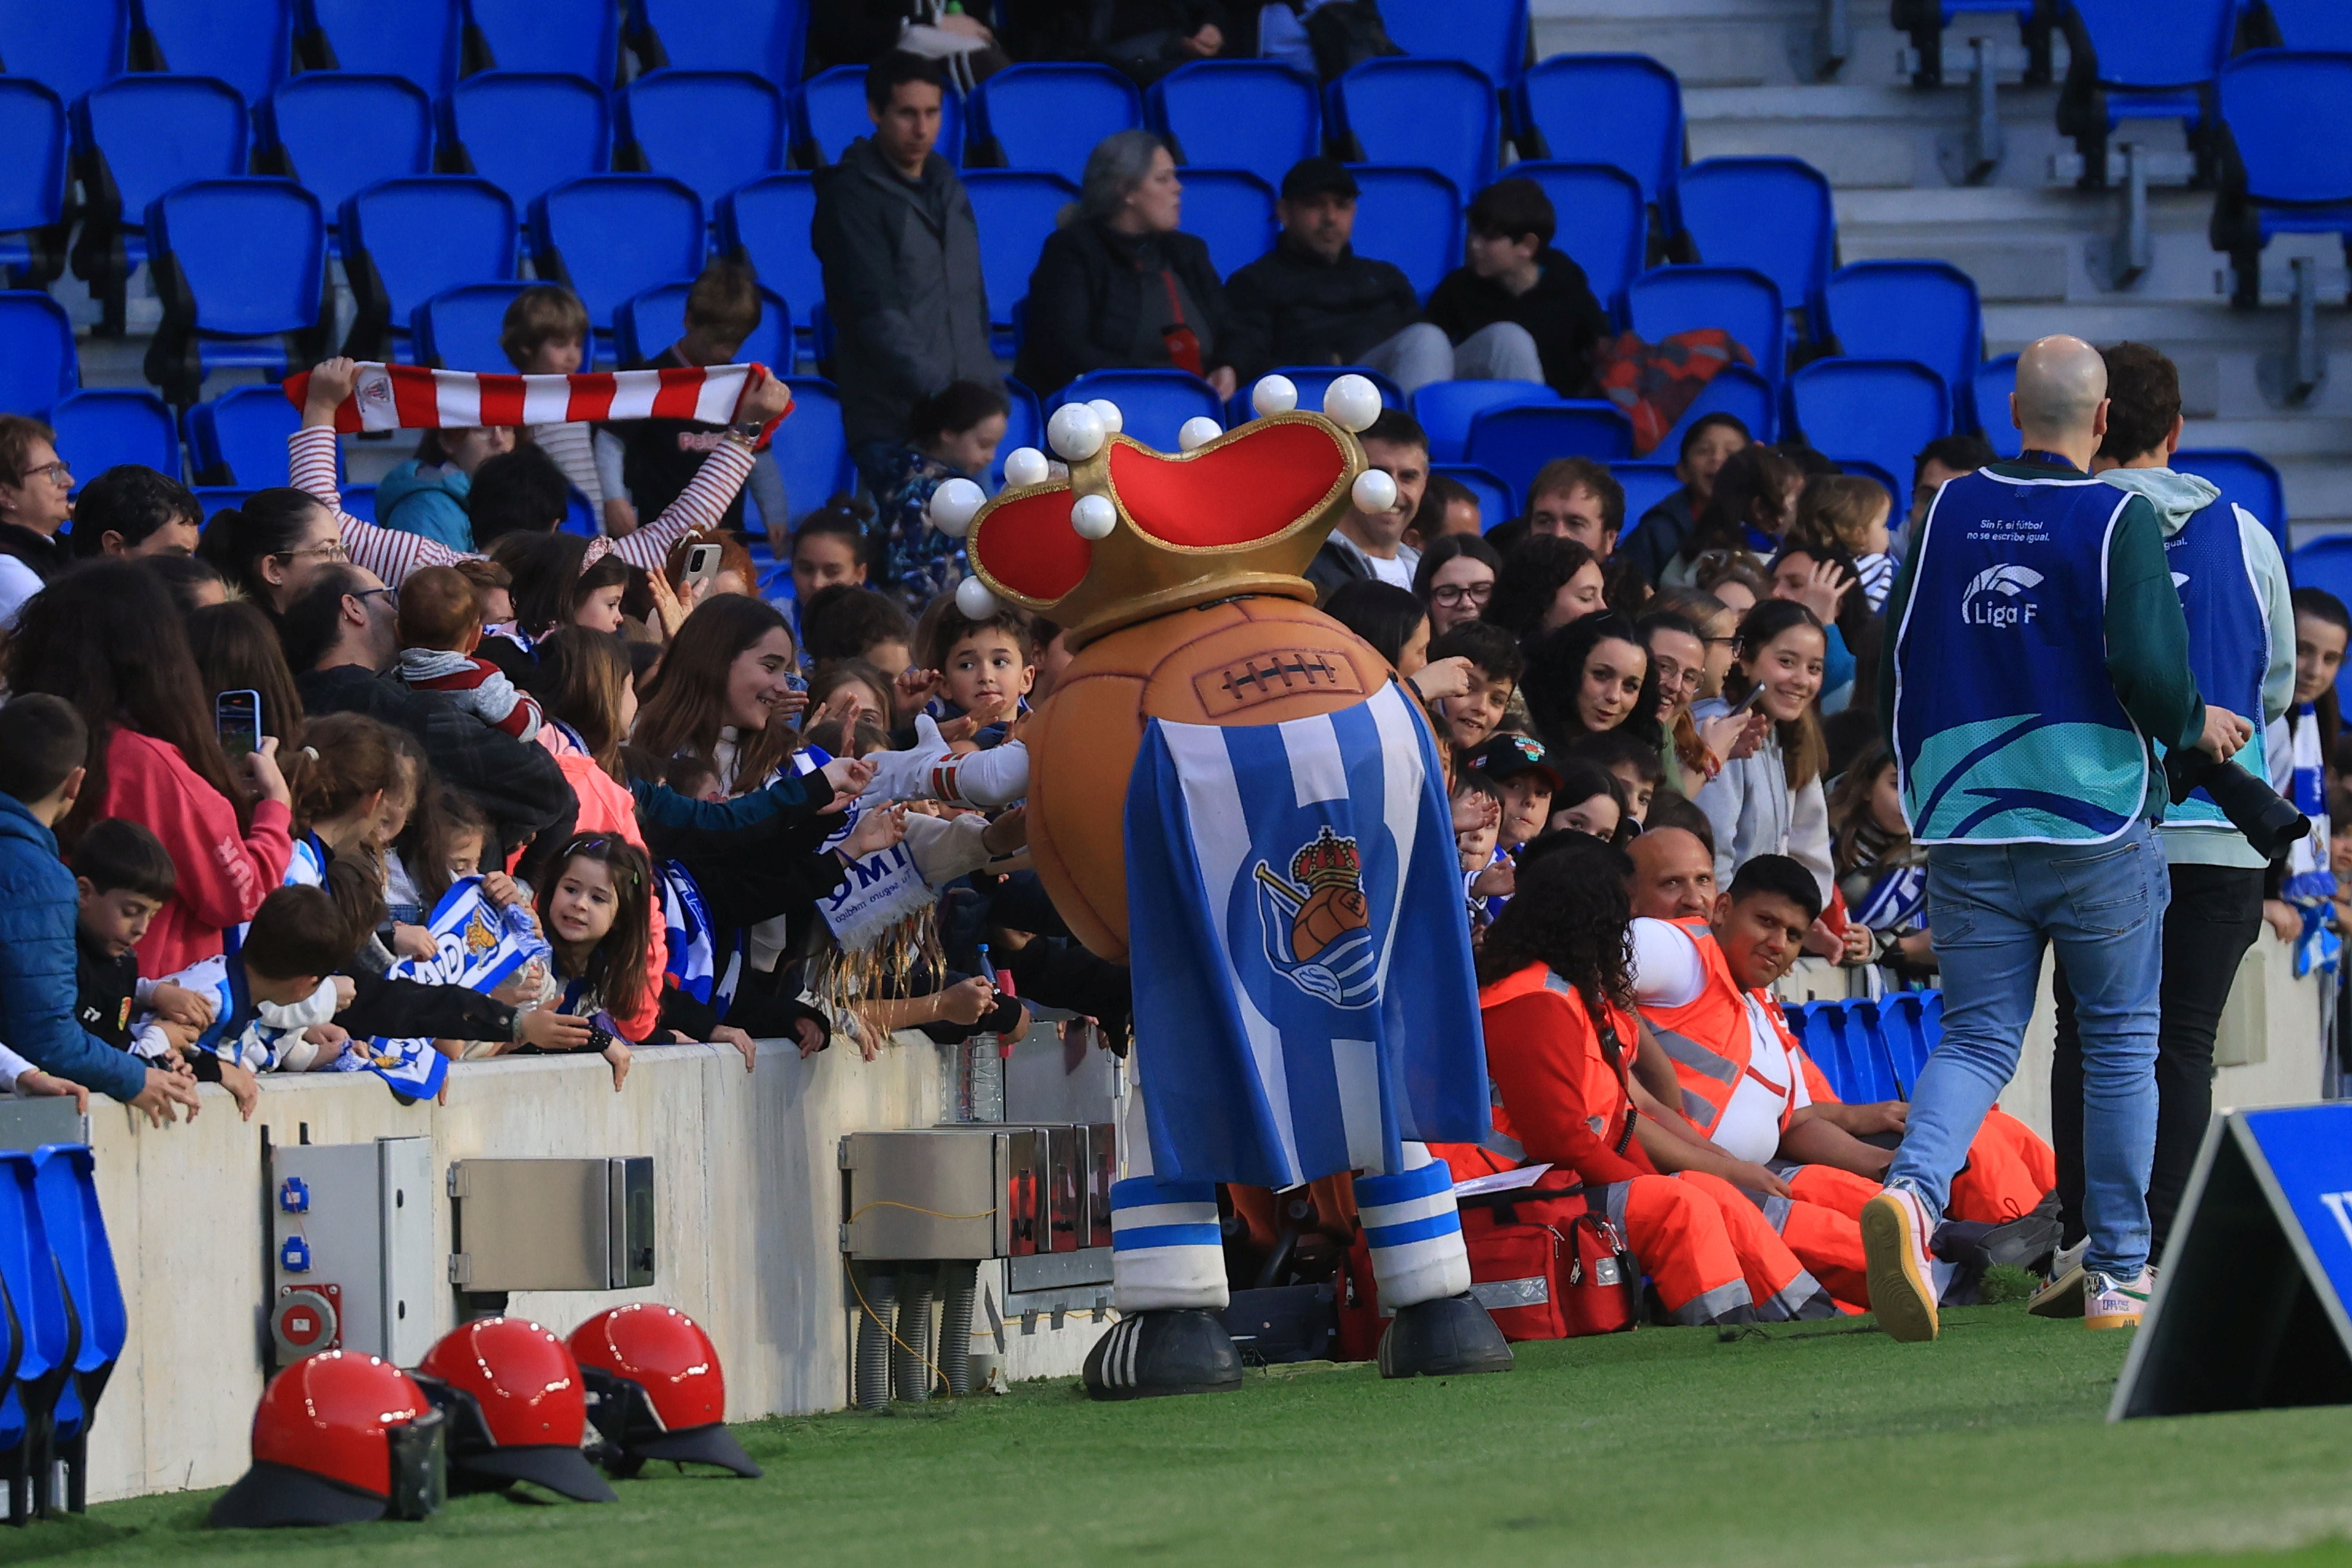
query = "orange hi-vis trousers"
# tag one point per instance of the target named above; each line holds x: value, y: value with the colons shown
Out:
x: 2009, y: 1171
x: 1819, y: 1224
x: 1709, y: 1252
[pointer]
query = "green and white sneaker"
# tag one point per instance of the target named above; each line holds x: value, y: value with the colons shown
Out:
x: 2110, y: 1303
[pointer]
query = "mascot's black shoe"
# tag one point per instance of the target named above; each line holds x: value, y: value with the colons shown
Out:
x: 1450, y: 1336
x: 1147, y: 1354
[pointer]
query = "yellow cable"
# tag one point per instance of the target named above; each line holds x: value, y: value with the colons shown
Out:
x: 893, y: 1333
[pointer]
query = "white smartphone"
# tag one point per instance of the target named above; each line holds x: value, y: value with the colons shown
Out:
x: 702, y: 565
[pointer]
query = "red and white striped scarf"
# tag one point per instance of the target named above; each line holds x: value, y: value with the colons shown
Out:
x: 412, y: 397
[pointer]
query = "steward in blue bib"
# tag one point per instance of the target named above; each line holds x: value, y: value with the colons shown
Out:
x: 2039, y: 649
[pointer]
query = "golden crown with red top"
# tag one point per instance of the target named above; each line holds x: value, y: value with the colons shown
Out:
x: 1328, y: 861
x: 1124, y: 533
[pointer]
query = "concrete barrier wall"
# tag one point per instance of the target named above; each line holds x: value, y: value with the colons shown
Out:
x: 748, y: 1210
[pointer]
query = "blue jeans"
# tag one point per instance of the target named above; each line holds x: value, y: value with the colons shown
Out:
x: 1992, y: 909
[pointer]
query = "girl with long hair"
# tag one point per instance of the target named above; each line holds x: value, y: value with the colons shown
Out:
x: 271, y: 548
x: 1590, y: 676
x: 1546, y: 582
x: 1750, y: 505
x: 236, y: 650
x: 596, y: 910
x: 1881, y: 874
x: 729, y: 691
x: 1770, y: 802
x: 1455, y: 580
x: 106, y: 638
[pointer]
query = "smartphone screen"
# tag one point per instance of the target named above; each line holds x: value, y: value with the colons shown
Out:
x: 236, y: 715
x: 703, y: 564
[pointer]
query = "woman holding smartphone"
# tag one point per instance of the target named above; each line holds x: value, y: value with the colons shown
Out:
x: 1770, y: 802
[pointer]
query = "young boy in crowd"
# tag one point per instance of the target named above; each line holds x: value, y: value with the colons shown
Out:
x: 847, y: 622
x: 294, y: 944
x: 440, y: 625
x: 981, y: 671
x: 828, y: 548
x: 1487, y: 875
x: 123, y: 875
x: 1524, y: 783
x: 1633, y: 763
x: 659, y: 457
x: 546, y: 333
x: 1495, y: 664
x: 43, y: 742
x: 1849, y: 514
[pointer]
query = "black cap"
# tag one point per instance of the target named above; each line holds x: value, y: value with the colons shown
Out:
x: 1506, y: 755
x: 1318, y: 178
x: 712, y: 1445
x: 564, y: 1471
x: 269, y: 1495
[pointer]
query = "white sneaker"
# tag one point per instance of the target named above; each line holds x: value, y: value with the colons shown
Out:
x: 2062, y: 1295
x: 2111, y: 1303
x: 1894, y: 1231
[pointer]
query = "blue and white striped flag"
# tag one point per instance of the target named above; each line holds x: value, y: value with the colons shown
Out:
x: 478, y: 945
x: 1304, y: 997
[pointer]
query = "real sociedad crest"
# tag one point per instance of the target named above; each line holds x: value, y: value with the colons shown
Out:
x: 1317, y: 928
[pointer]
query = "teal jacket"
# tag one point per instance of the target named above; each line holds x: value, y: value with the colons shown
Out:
x: 2147, y: 639
x: 416, y: 498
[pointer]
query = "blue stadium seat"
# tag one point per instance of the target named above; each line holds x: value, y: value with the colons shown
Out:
x: 70, y: 47
x: 2140, y: 59
x: 766, y: 223
x: 67, y: 1197
x: 812, y: 452
x: 310, y: 129
x: 245, y: 43
x: 458, y: 329
x: 1738, y: 390
x: 407, y: 240
x: 1434, y: 114
x: 359, y: 502
x: 1926, y: 23
x: 1621, y: 110
x: 1921, y: 310
x: 1152, y: 404
x: 1603, y: 226
x: 1025, y: 426
x: 2292, y: 173
x: 829, y: 113
x: 101, y: 428
x: 416, y: 38
x: 38, y: 361
x: 1646, y: 484
x: 1497, y: 502
x: 528, y: 133
x: 764, y: 36
x: 239, y: 438
x: 1049, y: 117
x: 1016, y: 211
x: 47, y: 1335
x: 135, y: 138
x: 2312, y: 25
x: 1312, y: 382
x: 610, y: 238
x: 33, y: 183
x: 1989, y: 392
x: 2245, y: 478
x: 654, y: 319
x: 1910, y: 1023
x: 1445, y: 409
x: 1517, y: 441
x: 218, y: 499
x: 240, y: 266
x: 1773, y: 215
x: 1669, y: 300
x: 711, y: 129
x: 1259, y: 115
x: 1411, y: 218
x: 1232, y: 209
x: 1491, y: 35
x: 1881, y: 410
x: 567, y: 37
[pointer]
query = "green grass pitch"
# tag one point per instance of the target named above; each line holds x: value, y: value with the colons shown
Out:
x: 1806, y: 1447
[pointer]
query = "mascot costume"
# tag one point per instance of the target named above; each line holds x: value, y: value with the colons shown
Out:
x: 1232, y: 795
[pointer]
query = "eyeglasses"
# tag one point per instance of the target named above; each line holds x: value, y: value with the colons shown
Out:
x: 1453, y: 594
x: 391, y: 595
x: 331, y: 551
x: 56, y: 473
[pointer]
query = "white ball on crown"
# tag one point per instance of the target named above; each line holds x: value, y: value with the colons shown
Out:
x: 1075, y: 431
x: 1273, y: 394
x: 974, y: 600
x: 953, y: 506
x: 1198, y: 431
x: 1026, y: 466
x: 1374, y: 492
x: 1108, y: 412
x: 1094, y: 517
x: 1352, y: 403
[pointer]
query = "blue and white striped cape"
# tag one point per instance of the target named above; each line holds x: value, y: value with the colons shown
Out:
x: 694, y: 963
x: 478, y: 945
x: 1281, y: 1035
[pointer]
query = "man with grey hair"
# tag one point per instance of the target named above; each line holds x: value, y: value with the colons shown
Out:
x: 2040, y: 649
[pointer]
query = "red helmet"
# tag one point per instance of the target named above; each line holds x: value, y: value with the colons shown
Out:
x: 517, y: 1407
x: 660, y: 1393
x: 339, y: 1438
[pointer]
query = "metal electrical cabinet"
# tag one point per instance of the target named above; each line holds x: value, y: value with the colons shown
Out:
x: 973, y: 1190
x: 553, y: 1224
x: 352, y: 1257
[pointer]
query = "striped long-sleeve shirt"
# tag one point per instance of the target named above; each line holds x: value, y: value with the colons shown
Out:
x: 392, y: 554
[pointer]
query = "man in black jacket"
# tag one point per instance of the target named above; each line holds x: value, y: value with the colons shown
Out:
x: 895, y: 230
x: 1519, y: 296
x: 338, y: 639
